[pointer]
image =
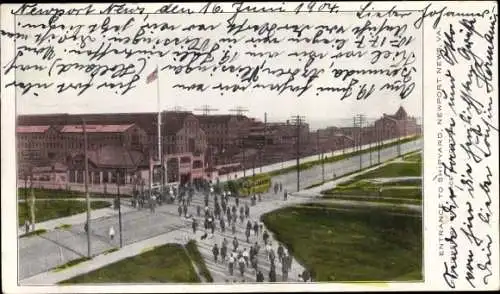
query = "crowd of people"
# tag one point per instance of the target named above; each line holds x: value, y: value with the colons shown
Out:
x: 223, y: 211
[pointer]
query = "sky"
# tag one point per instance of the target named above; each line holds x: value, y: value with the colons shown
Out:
x: 325, y: 109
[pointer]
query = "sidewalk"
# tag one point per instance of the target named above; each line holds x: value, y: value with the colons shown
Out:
x: 52, y: 278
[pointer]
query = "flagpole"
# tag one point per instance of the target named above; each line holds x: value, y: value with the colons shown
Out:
x: 159, y: 121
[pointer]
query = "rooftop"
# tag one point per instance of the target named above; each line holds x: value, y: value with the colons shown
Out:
x: 96, y: 128
x: 32, y: 129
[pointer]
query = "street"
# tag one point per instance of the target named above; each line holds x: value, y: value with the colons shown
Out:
x: 41, y: 253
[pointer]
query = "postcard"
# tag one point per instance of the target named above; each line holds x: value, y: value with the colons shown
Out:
x: 249, y: 146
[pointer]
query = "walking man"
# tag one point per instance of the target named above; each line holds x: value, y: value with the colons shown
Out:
x: 223, y: 252
x: 215, y: 251
x: 265, y: 236
x: 235, y: 243
x: 194, y: 225
x: 179, y: 210
x: 256, y: 228
x: 222, y: 225
x: 247, y: 234
x: 111, y: 233
x: 231, y: 264
x: 280, y: 252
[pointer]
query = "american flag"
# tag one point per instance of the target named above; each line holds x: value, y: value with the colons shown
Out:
x: 152, y: 76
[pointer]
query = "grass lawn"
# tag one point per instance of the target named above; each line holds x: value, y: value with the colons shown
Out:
x: 57, y: 194
x: 311, y: 164
x: 416, y: 157
x: 195, y: 255
x: 46, y: 210
x: 360, y: 244
x: 164, y: 264
x: 392, y: 170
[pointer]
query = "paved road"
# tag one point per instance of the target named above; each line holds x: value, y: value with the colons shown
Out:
x: 41, y: 253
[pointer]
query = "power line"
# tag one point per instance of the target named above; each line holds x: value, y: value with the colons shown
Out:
x: 206, y: 109
x: 239, y: 110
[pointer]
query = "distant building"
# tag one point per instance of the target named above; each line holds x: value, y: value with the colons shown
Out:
x: 396, y: 125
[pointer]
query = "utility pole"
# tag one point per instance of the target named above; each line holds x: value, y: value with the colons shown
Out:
x: 370, y: 139
x: 317, y: 144
x: 265, y: 141
x: 206, y: 109
x: 87, y: 196
x: 379, y: 142
x: 119, y: 206
x: 358, y: 121
x: 323, y: 166
x: 298, y: 120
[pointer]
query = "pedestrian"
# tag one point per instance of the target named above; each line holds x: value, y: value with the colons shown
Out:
x: 246, y: 256
x: 111, y: 232
x: 284, y: 272
x: 247, y: 210
x: 198, y: 210
x: 235, y: 217
x: 86, y: 227
x: 272, y: 275
x: 237, y: 200
x: 305, y: 275
x: 281, y: 187
x: 254, y: 261
x: 247, y: 234
x: 268, y: 250
x: 261, y: 227
x: 212, y: 226
x: 27, y: 226
x: 235, y: 243
x: 249, y: 225
x: 233, y: 228
x: 185, y: 210
x: 223, y: 251
x: 256, y: 248
x: 194, y: 225
x: 256, y: 229
x: 280, y: 252
x: 260, y: 277
x: 222, y: 225
x: 231, y: 264
x: 215, y: 251
x: 265, y: 236
x: 241, y: 263
x: 179, y: 209
x: 242, y: 217
x: 272, y: 256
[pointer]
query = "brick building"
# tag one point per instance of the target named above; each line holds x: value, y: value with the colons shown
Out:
x: 396, y: 125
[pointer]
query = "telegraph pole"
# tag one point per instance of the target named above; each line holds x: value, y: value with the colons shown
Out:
x: 119, y: 206
x: 323, y: 166
x: 87, y: 196
x: 358, y: 121
x: 298, y: 120
x: 265, y: 141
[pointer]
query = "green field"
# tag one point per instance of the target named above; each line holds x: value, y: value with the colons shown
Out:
x: 392, y: 170
x: 195, y: 255
x: 311, y: 164
x: 360, y: 244
x: 51, y: 209
x: 416, y: 157
x: 360, y: 188
x: 58, y: 194
x: 164, y: 264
